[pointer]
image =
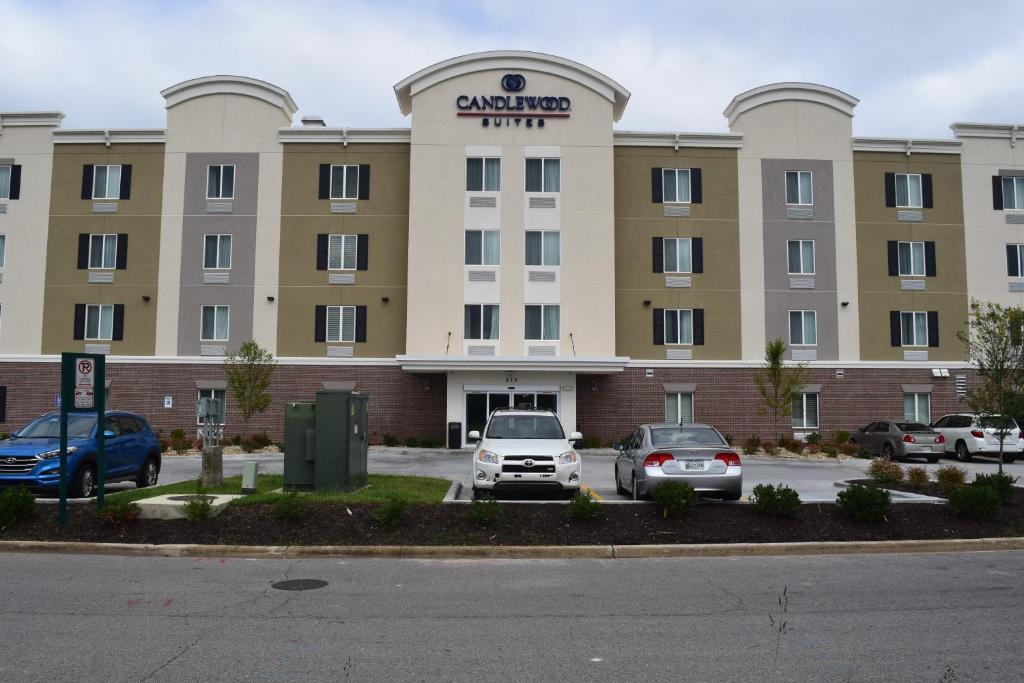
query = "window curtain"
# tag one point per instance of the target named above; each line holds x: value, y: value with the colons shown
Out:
x: 807, y: 260
x: 222, y: 322
x: 109, y: 251
x: 492, y: 247
x: 805, y: 188
x: 490, y: 321
x: 224, y: 253
x: 492, y: 175
x: 5, y: 182
x: 551, y: 322
x: 920, y: 329
x: 551, y: 175
x: 684, y: 253
x: 551, y: 248
x: 810, y: 328
x: 671, y: 256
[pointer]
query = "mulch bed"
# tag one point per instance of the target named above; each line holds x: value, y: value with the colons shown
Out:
x: 525, y: 524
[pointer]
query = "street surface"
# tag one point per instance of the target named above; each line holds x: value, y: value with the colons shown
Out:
x: 849, y: 618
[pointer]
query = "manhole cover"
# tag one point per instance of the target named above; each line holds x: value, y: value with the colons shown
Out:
x: 299, y: 585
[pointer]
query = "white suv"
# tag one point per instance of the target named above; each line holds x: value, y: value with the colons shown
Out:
x: 521, y: 448
x: 968, y: 434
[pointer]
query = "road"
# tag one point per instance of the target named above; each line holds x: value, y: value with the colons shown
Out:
x: 878, y: 618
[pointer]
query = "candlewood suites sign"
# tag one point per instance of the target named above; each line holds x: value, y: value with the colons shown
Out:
x: 513, y: 110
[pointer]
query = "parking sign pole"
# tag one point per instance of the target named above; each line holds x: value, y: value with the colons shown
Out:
x: 80, y: 375
x: 100, y: 384
x: 66, y: 364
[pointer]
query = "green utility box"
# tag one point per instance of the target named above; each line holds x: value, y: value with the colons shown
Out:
x: 325, y: 442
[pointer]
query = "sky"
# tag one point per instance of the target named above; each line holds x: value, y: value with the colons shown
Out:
x: 915, y: 66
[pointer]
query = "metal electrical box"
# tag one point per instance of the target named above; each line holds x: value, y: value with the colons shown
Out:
x: 299, y: 442
x: 325, y: 442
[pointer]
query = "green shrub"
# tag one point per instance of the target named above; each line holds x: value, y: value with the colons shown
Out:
x: 485, y: 510
x: 16, y: 505
x: 751, y: 445
x: 917, y: 478
x: 1002, y: 484
x: 198, y: 508
x: 814, y: 437
x: 289, y: 506
x: 590, y: 442
x: 885, y: 472
x: 851, y: 449
x: 790, y: 444
x: 830, y: 451
x: 974, y: 501
x: 865, y: 503
x: 776, y: 501
x: 840, y: 437
x: 430, y: 441
x: 771, y: 450
x: 261, y: 440
x: 411, y: 442
x: 812, y: 448
x: 118, y: 512
x: 390, y: 513
x: 236, y: 440
x: 583, y: 507
x: 950, y: 478
x: 673, y: 496
x: 390, y: 440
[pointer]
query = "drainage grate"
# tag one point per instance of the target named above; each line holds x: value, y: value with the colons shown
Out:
x: 299, y: 585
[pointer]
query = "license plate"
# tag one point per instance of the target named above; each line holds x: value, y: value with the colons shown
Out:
x: 927, y: 448
x: 694, y: 464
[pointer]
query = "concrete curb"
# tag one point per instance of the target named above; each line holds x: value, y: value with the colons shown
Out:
x: 897, y: 496
x: 519, y: 552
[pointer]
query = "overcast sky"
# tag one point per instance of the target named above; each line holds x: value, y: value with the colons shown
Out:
x: 915, y: 66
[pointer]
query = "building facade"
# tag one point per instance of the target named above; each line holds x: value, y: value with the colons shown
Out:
x: 511, y: 246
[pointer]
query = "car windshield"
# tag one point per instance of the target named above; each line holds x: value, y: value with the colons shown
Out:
x: 524, y: 427
x: 998, y: 422
x: 913, y: 427
x: 686, y: 436
x: 48, y: 427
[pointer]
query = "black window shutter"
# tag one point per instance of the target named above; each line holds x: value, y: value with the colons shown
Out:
x: 79, y: 321
x: 122, y: 251
x: 118, y: 331
x: 362, y: 252
x: 325, y: 181
x: 696, y: 187
x: 894, y: 257
x: 364, y: 181
x: 83, y: 251
x: 320, y: 324
x: 929, y: 259
x: 126, y: 181
x: 698, y: 327
x: 87, y: 170
x: 658, y: 255
x: 360, y: 323
x: 890, y: 189
x: 657, y: 193
x: 997, y: 193
x: 1012, y: 265
x: 659, y: 326
x: 927, y: 199
x: 894, y: 329
x: 697, y: 246
x: 321, y: 252
x: 3, y: 404
x: 933, y: 329
x: 15, y: 192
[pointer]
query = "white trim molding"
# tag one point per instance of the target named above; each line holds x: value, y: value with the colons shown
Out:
x: 789, y: 92
x: 596, y: 365
x: 906, y: 146
x: 999, y: 131
x: 45, y: 119
x: 109, y: 136
x: 230, y: 85
x: 344, y: 136
x: 631, y: 138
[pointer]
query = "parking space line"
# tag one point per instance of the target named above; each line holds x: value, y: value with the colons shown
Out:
x: 594, y: 494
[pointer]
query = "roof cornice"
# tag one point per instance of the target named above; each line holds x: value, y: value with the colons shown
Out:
x: 632, y: 138
x: 109, y: 136
x: 344, y: 136
x: 790, y: 91
x: 906, y: 146
x: 14, y: 119
x: 230, y: 85
x: 999, y: 131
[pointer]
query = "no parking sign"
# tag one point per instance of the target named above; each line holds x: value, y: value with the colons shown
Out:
x: 85, y: 383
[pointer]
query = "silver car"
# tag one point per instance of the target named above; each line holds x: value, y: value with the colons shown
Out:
x: 696, y: 454
x: 894, y: 439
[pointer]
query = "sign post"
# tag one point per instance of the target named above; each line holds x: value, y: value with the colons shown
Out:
x: 82, y: 390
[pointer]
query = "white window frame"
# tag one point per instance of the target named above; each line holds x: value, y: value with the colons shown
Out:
x: 1020, y: 258
x: 916, y: 342
x: 345, y: 170
x: 220, y: 184
x: 814, y: 256
x: 799, y: 193
x: 98, y: 310
x: 679, y: 402
x: 227, y: 325
x: 334, y: 239
x: 803, y: 313
x: 545, y: 334
x: 544, y: 251
x: 10, y: 172
x: 899, y: 261
x: 678, y: 173
x: 103, y: 251
x: 483, y: 174
x: 3, y: 251
x: 543, y: 172
x: 920, y: 190
x: 482, y: 307
x: 803, y: 422
x: 917, y: 398
x: 220, y: 244
x: 339, y: 311
x: 106, y: 191
x: 1014, y: 200
x: 685, y: 332
x: 484, y: 236
x: 677, y: 241
x: 212, y: 393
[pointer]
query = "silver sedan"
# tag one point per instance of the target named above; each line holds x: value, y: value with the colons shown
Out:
x: 696, y: 454
x: 900, y: 439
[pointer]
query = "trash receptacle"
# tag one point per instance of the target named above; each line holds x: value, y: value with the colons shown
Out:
x: 454, y: 435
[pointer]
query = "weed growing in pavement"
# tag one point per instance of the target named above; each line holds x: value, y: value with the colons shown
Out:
x: 390, y: 513
x: 885, y: 472
x: 1001, y: 483
x: 865, y: 503
x: 118, y: 512
x: 583, y: 507
x: 776, y: 501
x: 199, y: 507
x: 779, y: 627
x: 673, y: 496
x: 950, y: 478
x: 485, y: 510
x: 290, y: 506
x: 974, y: 501
x: 917, y: 478
x: 16, y: 504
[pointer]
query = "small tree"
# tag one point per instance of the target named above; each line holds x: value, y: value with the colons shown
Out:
x: 777, y: 383
x: 248, y: 373
x: 995, y: 346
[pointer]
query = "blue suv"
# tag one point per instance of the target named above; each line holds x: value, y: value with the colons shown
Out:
x: 31, y: 457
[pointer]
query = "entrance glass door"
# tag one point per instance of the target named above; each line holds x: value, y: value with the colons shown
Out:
x: 480, y: 404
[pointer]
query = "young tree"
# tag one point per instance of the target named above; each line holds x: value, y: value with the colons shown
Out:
x: 777, y: 383
x: 248, y: 373
x: 995, y: 346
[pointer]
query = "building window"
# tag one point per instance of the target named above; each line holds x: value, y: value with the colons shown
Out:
x: 106, y: 182
x: 3, y: 250
x: 801, y: 257
x: 217, y: 395
x: 914, y: 328
x: 542, y: 247
x: 341, y: 323
x: 542, y: 323
x: 483, y: 247
x: 678, y: 326
x: 679, y: 407
x: 483, y: 174
x: 908, y: 190
x: 345, y: 182
x: 1013, y: 192
x: 1014, y: 260
x: 543, y: 175
x: 805, y: 411
x: 678, y: 254
x: 675, y: 185
x: 481, y: 321
x: 102, y: 251
x: 341, y: 252
x: 799, y: 188
x: 5, y: 182
x: 803, y: 328
x: 917, y: 408
x: 214, y: 323
x: 911, y: 258
x: 99, y: 322
x: 217, y: 252
x: 220, y: 181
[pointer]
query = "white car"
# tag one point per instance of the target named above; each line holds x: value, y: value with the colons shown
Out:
x: 968, y: 434
x: 522, y: 449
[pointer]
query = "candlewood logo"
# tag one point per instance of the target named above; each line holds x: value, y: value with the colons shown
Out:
x: 517, y: 110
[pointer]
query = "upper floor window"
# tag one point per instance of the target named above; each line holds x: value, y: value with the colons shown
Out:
x: 1014, y: 260
x: 542, y: 247
x: 803, y: 328
x: 99, y: 322
x: 801, y: 257
x: 345, y: 182
x: 483, y: 174
x: 342, y: 252
x: 678, y: 326
x: 106, y: 182
x: 217, y: 252
x: 341, y: 323
x: 214, y: 323
x: 799, y: 188
x: 483, y: 247
x: 676, y: 185
x: 481, y: 321
x: 3, y: 250
x: 908, y: 191
x: 5, y: 182
x: 542, y: 322
x: 914, y: 328
x: 220, y: 181
x: 911, y: 258
x: 678, y: 254
x: 102, y: 251
x: 543, y: 175
x: 1013, y: 192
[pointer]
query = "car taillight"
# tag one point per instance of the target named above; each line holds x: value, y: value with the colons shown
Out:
x: 908, y: 438
x: 941, y: 439
x: 657, y: 459
x: 729, y: 458
x: 977, y: 434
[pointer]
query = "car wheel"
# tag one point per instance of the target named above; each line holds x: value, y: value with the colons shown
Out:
x: 962, y: 454
x: 618, y: 485
x: 932, y: 459
x: 1009, y: 458
x: 887, y: 453
x: 84, y: 483
x: 149, y: 473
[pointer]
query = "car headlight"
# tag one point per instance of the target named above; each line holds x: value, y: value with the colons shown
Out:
x: 53, y: 454
x: 487, y: 456
x: 567, y: 458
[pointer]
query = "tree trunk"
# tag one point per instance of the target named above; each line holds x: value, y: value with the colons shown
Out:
x: 213, y: 466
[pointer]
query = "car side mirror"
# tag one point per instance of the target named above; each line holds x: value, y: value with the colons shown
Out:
x: 618, y: 446
x: 473, y: 436
x: 14, y: 435
x: 575, y: 436
x: 107, y: 434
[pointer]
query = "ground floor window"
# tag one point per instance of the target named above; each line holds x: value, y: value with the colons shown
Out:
x: 917, y: 408
x: 805, y: 411
x: 678, y: 407
x: 219, y: 395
